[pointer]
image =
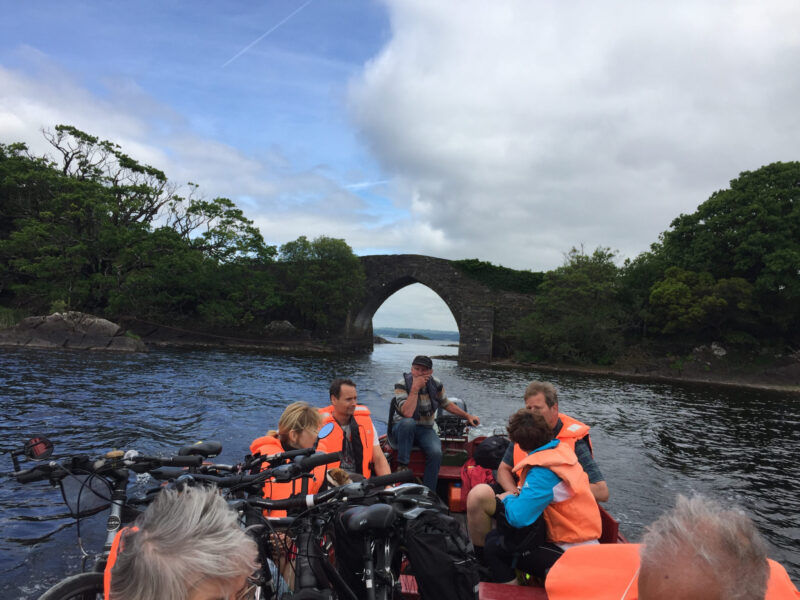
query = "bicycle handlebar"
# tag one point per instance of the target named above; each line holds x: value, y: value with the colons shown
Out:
x: 37, y: 473
x: 278, y: 458
x: 287, y: 471
x: 144, y: 463
x: 392, y: 478
x: 356, y: 489
x: 54, y: 470
x: 317, y: 460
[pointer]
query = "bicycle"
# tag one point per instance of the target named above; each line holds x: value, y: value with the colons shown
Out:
x: 90, y: 486
x: 362, y: 510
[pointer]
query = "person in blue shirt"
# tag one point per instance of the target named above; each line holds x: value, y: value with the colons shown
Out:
x: 553, y: 509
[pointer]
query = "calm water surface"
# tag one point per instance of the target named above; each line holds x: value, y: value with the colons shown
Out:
x: 652, y: 440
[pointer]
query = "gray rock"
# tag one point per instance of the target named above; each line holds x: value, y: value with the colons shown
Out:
x: 279, y: 328
x: 73, y: 330
x: 718, y: 350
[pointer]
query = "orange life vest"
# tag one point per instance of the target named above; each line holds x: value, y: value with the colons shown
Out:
x: 267, y: 445
x: 112, y: 559
x: 610, y: 572
x: 571, y: 431
x: 334, y: 441
x: 576, y: 519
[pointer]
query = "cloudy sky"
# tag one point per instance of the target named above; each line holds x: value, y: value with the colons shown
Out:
x: 507, y: 131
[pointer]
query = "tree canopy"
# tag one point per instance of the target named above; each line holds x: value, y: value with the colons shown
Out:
x: 93, y: 229
x: 577, y: 317
x: 750, y: 231
x: 729, y: 272
x: 324, y: 279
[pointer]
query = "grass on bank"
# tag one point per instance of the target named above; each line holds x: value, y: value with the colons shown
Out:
x: 9, y: 317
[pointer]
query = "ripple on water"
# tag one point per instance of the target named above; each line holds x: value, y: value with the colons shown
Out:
x: 652, y: 440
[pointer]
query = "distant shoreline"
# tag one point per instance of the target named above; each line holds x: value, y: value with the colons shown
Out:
x: 703, y: 368
x: 757, y: 381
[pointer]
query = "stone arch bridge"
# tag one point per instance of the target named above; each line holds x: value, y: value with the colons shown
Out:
x: 480, y: 312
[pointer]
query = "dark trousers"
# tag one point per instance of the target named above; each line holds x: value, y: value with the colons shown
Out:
x: 508, y: 548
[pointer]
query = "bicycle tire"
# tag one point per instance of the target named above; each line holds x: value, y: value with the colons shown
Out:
x: 83, y: 586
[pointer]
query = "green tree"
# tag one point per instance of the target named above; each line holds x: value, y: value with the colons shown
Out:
x: 53, y: 227
x: 577, y: 317
x: 750, y: 231
x: 636, y: 278
x: 81, y: 230
x: 324, y: 279
x: 218, y: 228
x: 697, y: 305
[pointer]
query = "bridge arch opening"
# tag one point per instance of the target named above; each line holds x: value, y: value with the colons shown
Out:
x: 415, y: 306
x: 476, y: 308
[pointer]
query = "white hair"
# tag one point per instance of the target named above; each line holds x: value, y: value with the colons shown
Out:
x: 725, y: 542
x: 183, y: 540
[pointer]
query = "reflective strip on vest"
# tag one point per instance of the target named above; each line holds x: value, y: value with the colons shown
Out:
x: 571, y: 431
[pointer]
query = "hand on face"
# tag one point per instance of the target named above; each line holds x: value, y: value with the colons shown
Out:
x: 420, y: 376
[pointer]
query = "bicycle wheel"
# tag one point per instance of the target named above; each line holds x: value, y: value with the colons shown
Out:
x: 83, y: 586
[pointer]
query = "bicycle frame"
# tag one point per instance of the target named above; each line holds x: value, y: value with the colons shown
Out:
x: 119, y: 497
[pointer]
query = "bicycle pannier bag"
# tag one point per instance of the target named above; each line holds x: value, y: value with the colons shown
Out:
x: 85, y: 494
x: 441, y: 556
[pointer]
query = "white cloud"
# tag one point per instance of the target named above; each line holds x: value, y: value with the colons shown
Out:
x: 285, y: 201
x: 518, y: 129
x: 506, y: 131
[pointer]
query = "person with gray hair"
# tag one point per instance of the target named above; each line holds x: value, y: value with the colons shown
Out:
x: 187, y: 545
x: 696, y: 551
x: 717, y: 553
x: 541, y: 397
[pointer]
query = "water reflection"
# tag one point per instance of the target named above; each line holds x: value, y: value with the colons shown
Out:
x: 652, y: 440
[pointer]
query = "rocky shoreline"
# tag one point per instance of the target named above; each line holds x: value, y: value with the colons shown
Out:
x: 704, y: 365
x: 756, y: 382
x: 72, y: 331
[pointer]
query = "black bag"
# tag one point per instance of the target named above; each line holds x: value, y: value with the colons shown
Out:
x: 441, y: 557
x: 489, y: 453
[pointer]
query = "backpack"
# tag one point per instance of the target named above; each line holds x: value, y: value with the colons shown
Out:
x: 472, y: 474
x: 441, y: 557
x: 489, y: 453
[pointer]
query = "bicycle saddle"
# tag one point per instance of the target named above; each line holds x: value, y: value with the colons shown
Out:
x: 361, y: 519
x: 205, y: 449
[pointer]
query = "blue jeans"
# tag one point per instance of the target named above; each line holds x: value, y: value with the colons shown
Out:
x: 408, y: 433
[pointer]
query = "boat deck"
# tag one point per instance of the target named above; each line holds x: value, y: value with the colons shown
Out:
x: 487, y: 591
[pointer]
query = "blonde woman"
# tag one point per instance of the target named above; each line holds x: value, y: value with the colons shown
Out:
x: 297, y: 428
